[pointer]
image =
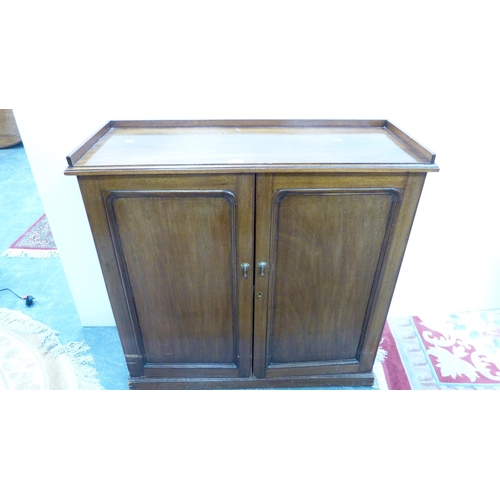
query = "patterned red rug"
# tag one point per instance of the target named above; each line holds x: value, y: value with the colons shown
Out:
x: 391, y: 374
x: 441, y: 352
x: 36, y: 242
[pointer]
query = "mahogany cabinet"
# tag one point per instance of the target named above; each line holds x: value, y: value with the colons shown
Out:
x: 250, y: 253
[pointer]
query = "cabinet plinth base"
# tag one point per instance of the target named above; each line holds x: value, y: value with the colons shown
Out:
x: 339, y: 380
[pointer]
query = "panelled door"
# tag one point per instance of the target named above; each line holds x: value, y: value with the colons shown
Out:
x: 175, y: 243
x: 325, y: 240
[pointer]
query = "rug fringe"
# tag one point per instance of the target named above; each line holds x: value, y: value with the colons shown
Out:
x: 32, y: 254
x: 83, y: 362
x: 381, y: 355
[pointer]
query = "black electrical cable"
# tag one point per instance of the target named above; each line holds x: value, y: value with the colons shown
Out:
x: 28, y: 298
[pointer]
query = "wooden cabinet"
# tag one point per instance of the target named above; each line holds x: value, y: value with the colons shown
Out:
x: 250, y: 253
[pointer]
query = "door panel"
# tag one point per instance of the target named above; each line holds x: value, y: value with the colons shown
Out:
x: 181, y: 273
x: 327, y: 246
x: 177, y: 251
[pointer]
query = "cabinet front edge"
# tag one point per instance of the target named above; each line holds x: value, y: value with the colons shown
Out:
x: 250, y: 169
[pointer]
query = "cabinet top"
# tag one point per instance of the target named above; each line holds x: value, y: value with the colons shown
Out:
x: 230, y: 146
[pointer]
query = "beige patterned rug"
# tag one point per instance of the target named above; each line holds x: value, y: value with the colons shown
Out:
x: 33, y: 358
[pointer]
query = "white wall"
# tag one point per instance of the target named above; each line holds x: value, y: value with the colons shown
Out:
x: 429, y: 69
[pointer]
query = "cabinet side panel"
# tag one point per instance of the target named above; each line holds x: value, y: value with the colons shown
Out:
x: 389, y: 273
x: 96, y: 212
x: 177, y: 254
x: 328, y: 245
